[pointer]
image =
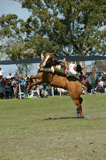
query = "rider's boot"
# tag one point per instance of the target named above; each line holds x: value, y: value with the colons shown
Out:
x: 47, y: 69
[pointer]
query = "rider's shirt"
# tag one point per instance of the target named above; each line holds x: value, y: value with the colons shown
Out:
x: 71, y: 70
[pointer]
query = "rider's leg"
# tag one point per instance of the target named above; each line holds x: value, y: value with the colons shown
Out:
x: 54, y: 70
x: 47, y: 69
x: 59, y: 71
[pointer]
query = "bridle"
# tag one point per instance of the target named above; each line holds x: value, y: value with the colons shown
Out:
x: 46, y: 60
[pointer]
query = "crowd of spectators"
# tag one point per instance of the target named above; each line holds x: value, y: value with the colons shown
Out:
x: 99, y: 85
x: 9, y: 86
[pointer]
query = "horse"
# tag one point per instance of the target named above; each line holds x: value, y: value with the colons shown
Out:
x: 71, y: 84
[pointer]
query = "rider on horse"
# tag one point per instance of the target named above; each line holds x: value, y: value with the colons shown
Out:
x: 64, y: 69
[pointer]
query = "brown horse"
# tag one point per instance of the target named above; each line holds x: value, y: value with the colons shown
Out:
x: 71, y: 84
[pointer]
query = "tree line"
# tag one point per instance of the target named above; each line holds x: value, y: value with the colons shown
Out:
x: 71, y: 27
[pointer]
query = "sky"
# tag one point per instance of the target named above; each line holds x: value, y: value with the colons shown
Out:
x: 14, y: 7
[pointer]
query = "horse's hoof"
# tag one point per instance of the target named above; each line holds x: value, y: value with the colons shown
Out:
x: 82, y: 117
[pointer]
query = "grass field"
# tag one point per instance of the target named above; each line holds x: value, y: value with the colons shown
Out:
x: 49, y: 129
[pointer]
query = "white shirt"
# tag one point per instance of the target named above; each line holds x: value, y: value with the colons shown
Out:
x: 9, y: 77
x: 1, y: 72
x: 101, y: 83
x: 71, y: 70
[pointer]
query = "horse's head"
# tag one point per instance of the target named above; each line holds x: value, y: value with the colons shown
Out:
x: 46, y: 60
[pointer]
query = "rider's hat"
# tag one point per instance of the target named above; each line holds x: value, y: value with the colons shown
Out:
x: 79, y: 69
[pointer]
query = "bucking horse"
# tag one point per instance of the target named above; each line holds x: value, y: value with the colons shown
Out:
x: 72, y: 84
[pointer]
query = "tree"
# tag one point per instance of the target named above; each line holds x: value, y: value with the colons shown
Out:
x: 100, y: 66
x: 66, y: 27
x: 13, y: 39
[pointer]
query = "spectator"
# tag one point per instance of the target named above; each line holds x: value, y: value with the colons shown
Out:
x: 16, y: 76
x: 3, y: 83
x: 104, y: 85
x: 99, y: 77
x: 15, y: 86
x: 0, y: 79
x: 89, y: 83
x: 7, y: 91
x: 100, y: 87
x: 1, y: 72
x: 10, y: 75
x: 48, y: 88
x: 1, y: 92
x: 89, y: 79
x: 44, y: 85
x: 101, y: 83
x: 13, y: 81
x: 22, y: 81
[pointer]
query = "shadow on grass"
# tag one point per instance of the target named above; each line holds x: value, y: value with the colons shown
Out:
x: 62, y: 118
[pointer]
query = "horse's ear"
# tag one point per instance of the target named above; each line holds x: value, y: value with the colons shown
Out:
x: 42, y: 56
x: 55, y: 55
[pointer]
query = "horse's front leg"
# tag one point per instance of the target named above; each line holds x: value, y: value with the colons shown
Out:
x: 34, y: 77
x: 38, y: 76
x: 34, y: 83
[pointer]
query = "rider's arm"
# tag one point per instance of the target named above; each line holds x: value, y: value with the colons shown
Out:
x: 57, y: 61
x: 66, y: 64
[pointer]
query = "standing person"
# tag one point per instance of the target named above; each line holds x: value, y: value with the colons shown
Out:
x: 3, y: 83
x: 0, y: 79
x: 10, y: 75
x: 1, y: 72
x: 16, y: 76
x: 7, y: 91
x: 99, y: 77
x: 13, y: 81
x: 22, y: 81
x: 89, y: 83
x: 15, y: 90
x: 89, y: 79
x: 100, y: 86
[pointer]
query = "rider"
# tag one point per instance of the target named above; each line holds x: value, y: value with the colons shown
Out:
x: 71, y: 69
x: 66, y: 69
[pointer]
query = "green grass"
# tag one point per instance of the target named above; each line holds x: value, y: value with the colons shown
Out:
x: 49, y: 129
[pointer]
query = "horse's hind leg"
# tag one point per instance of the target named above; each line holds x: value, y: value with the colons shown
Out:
x: 78, y: 103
